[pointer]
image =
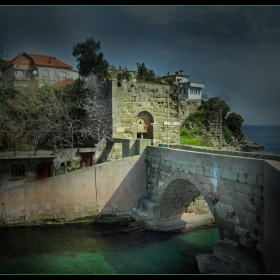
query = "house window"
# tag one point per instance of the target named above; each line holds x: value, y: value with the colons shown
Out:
x: 45, y: 73
x: 194, y: 91
x: 62, y: 74
x: 17, y: 171
x: 26, y: 73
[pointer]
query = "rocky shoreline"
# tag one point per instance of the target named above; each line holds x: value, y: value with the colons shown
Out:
x: 243, y: 145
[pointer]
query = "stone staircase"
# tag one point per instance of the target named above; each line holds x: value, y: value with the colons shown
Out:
x: 147, y: 210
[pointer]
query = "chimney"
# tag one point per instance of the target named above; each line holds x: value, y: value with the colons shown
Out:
x: 167, y: 73
x: 52, y: 60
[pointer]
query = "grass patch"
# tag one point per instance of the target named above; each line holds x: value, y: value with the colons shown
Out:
x: 196, y: 140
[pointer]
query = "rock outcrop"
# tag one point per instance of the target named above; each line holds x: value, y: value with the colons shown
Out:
x: 227, y: 259
x: 243, y: 145
x: 249, y: 146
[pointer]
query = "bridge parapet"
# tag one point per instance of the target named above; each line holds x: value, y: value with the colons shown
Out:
x: 226, y: 152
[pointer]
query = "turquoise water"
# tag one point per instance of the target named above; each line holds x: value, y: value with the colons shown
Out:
x: 81, y: 249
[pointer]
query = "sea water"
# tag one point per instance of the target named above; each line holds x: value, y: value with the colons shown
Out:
x: 267, y: 135
x: 82, y: 249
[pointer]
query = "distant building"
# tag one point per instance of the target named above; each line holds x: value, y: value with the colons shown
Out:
x: 188, y: 89
x: 41, y: 69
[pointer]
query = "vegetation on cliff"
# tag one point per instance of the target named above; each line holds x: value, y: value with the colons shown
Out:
x: 196, y: 128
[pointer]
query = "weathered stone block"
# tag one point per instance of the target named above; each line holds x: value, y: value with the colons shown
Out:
x: 260, y: 181
x: 192, y: 170
x: 242, y: 177
x: 206, y: 188
x: 240, y: 231
x: 252, y: 218
x: 226, y: 200
x: 258, y: 192
x: 229, y: 184
x: 252, y: 179
x: 208, y: 171
x: 250, y: 207
x: 245, y: 241
x: 168, y: 163
x: 167, y: 200
x: 226, y: 174
x: 241, y: 213
x: 200, y: 171
x: 238, y: 204
x: 234, y: 219
x: 243, y: 188
x: 243, y: 197
x: 222, y: 214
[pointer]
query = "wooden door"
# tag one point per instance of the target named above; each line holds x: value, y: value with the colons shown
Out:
x: 44, y: 170
x: 86, y: 159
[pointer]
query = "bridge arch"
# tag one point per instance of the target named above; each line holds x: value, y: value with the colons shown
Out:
x: 181, y: 194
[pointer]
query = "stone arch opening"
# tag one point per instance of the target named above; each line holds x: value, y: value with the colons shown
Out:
x: 146, y: 119
x: 182, y: 199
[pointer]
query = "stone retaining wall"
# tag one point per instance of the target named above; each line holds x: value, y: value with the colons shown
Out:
x: 113, y: 187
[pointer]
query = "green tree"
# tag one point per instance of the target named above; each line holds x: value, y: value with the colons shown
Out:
x: 3, y: 63
x: 90, y: 59
x: 6, y: 93
x: 234, y: 123
x: 169, y: 81
x: 212, y: 107
x: 145, y: 74
x: 125, y: 75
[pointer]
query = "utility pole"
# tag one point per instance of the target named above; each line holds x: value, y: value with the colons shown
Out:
x: 221, y: 131
x: 168, y: 123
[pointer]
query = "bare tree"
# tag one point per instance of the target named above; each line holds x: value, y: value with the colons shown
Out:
x: 222, y: 95
x: 98, y: 114
x: 61, y: 121
x: 43, y: 114
x: 28, y: 106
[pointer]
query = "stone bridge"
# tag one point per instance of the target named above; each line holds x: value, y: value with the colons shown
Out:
x: 241, y: 193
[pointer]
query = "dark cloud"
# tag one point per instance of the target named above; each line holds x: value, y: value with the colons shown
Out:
x: 230, y: 48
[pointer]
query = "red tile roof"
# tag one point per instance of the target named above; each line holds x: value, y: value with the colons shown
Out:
x: 13, y: 60
x: 67, y: 81
x: 43, y: 60
x: 49, y: 61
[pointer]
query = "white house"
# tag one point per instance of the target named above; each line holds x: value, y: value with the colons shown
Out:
x: 188, y: 89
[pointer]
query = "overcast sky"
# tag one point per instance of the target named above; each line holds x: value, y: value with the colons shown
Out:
x: 231, y: 49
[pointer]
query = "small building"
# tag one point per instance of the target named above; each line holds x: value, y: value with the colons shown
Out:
x: 24, y: 167
x: 188, y: 89
x: 40, y: 69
